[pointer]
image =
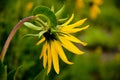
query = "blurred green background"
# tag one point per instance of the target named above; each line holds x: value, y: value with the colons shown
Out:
x: 101, y: 60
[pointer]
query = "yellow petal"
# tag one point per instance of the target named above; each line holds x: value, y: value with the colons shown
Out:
x: 67, y: 22
x: 45, y: 58
x: 74, y: 39
x: 49, y: 59
x: 55, y: 58
x: 61, y: 52
x: 74, y: 30
x: 78, y: 23
x: 70, y: 46
x: 40, y: 41
x: 43, y: 50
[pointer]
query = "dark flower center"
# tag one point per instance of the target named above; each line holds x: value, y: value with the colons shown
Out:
x: 91, y: 4
x: 49, y: 36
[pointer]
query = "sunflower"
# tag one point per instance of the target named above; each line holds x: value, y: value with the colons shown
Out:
x: 54, y: 37
x: 54, y: 41
x: 79, y: 4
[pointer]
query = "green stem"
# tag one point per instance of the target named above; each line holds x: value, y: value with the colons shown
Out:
x: 17, y: 26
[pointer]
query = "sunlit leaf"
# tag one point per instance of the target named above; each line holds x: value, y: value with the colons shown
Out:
x: 41, y: 33
x: 46, y: 13
x: 32, y: 26
x: 60, y: 12
x: 52, y: 8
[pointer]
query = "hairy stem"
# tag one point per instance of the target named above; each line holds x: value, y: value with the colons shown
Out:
x: 12, y: 33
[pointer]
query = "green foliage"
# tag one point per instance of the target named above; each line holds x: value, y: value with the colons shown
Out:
x: 11, y: 75
x: 41, y: 76
x: 3, y: 71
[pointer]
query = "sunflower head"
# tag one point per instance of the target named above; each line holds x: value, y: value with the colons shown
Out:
x: 55, y: 36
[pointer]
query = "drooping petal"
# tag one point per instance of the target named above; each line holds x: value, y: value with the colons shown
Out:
x: 69, y: 20
x: 61, y: 52
x: 40, y: 41
x: 44, y: 55
x: 44, y: 60
x: 74, y: 30
x: 70, y: 46
x: 49, y: 59
x: 74, y: 39
x: 78, y: 23
x: 55, y: 58
x: 43, y: 50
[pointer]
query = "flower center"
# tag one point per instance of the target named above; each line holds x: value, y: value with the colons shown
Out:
x: 91, y: 4
x: 49, y: 35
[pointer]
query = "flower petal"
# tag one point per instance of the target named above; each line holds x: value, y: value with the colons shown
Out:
x: 70, y: 46
x: 44, y: 60
x: 55, y: 58
x: 49, y: 59
x: 40, y: 41
x: 61, y: 52
x: 43, y: 50
x: 45, y: 57
x: 74, y: 39
x: 69, y: 20
x: 78, y: 23
x: 74, y: 30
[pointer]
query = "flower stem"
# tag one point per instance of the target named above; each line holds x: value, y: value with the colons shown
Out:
x: 12, y: 33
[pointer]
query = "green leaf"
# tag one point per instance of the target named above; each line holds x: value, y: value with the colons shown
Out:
x: 32, y: 26
x: 20, y: 71
x: 3, y: 71
x: 41, y: 76
x: 41, y: 33
x: 59, y: 12
x: 62, y: 20
x: 52, y: 8
x: 47, y: 14
x: 11, y: 75
x: 30, y: 35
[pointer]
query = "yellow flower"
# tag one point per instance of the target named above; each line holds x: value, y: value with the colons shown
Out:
x: 53, y: 43
x: 94, y: 8
x: 79, y: 4
x: 94, y: 11
x: 29, y: 6
x: 98, y: 2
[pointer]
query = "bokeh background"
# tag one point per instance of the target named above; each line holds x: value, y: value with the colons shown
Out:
x: 101, y: 60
